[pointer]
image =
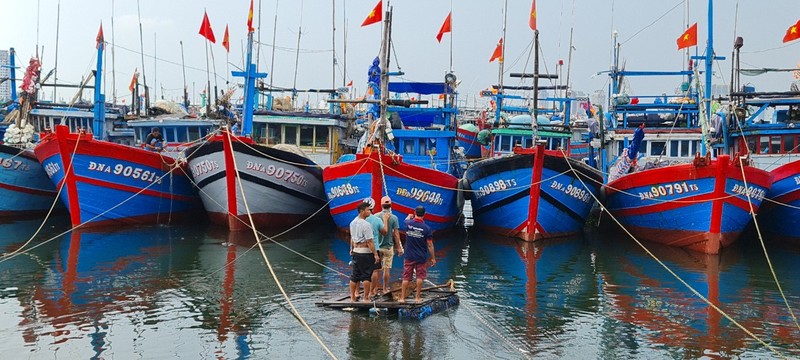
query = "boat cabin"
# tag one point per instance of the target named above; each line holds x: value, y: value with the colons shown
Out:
x: 318, y: 135
x: 177, y: 132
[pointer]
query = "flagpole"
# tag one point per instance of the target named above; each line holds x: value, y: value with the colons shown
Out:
x: 208, y: 78
x: 272, y: 63
x: 451, y: 35
x: 141, y: 47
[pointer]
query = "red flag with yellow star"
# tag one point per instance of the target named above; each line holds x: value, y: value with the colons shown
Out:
x: 498, y: 52
x: 792, y: 33
x: 375, y: 16
x: 688, y: 38
x: 532, y: 20
x: 226, y: 43
x: 250, y: 18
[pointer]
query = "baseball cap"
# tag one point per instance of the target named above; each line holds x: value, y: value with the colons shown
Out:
x: 386, y: 200
x: 369, y: 201
x: 420, y: 211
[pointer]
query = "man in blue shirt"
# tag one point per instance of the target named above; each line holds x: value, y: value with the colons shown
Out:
x: 418, y: 252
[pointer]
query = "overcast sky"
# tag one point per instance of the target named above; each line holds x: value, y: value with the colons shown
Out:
x: 647, y: 28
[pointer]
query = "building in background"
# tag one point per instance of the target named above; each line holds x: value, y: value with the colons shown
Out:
x: 5, y: 86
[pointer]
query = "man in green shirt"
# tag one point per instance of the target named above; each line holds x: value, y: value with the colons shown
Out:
x: 386, y: 242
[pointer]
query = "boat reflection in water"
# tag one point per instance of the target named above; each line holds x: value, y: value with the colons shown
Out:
x: 534, y: 290
x: 656, y: 308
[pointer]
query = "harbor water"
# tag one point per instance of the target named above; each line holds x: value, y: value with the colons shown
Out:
x: 159, y: 292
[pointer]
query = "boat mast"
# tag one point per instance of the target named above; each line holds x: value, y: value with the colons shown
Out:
x: 499, y: 96
x: 113, y: 62
x: 709, y: 64
x: 99, y: 97
x: 333, y: 41
x: 297, y: 57
x: 55, y: 71
x: 141, y: 48
x: 384, y: 61
x: 250, y: 75
x: 535, y: 112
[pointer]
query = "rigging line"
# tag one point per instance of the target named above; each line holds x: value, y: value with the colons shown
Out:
x: 675, y: 275
x: 771, y: 49
x: 506, y: 71
x: 52, y: 206
x: 653, y: 23
x: 291, y: 49
x: 158, y: 58
x: 763, y: 247
x: 264, y: 254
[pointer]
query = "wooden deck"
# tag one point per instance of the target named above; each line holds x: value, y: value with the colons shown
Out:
x: 434, y: 299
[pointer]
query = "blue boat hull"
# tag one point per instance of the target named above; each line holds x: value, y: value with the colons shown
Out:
x: 25, y: 188
x: 781, y: 215
x: 504, y: 202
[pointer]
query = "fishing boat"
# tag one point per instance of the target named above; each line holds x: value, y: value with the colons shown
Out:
x: 105, y: 183
x: 702, y: 204
x: 764, y: 124
x: 414, y: 163
x: 531, y: 188
x: 240, y: 179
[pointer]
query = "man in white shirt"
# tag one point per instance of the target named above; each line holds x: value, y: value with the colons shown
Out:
x: 362, y: 249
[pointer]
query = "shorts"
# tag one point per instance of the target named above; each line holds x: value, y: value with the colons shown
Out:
x: 387, y: 255
x: 363, y: 264
x: 411, y: 267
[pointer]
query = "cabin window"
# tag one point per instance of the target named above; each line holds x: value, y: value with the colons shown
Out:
x: 751, y: 144
x: 695, y: 147
x: 321, y: 137
x: 673, y: 148
x: 763, y: 145
x: 528, y: 142
x: 775, y: 145
x: 408, y: 146
x: 194, y: 133
x: 505, y: 143
x: 273, y: 135
x: 657, y: 148
x: 306, y: 135
x: 289, y: 135
x: 423, y: 147
x: 685, y: 148
x: 621, y: 147
x: 789, y: 144
x: 643, y: 148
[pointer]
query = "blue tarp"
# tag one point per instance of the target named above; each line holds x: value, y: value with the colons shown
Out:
x: 422, y: 88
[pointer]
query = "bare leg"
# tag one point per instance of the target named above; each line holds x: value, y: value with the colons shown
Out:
x: 353, y: 287
x: 375, y: 281
x: 403, y: 289
x: 367, y: 288
x: 419, y: 290
x: 386, y: 283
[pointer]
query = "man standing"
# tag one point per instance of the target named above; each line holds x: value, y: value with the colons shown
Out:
x: 388, y: 240
x: 362, y: 249
x: 419, y: 247
x: 377, y: 230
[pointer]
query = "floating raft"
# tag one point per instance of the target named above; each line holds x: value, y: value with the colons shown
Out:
x: 434, y: 299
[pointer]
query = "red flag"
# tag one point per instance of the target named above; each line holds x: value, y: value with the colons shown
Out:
x: 226, y: 41
x: 133, y: 80
x: 688, y: 38
x: 498, y: 52
x: 250, y: 18
x: 375, y: 16
x: 532, y: 20
x: 205, y: 29
x: 445, y: 28
x: 792, y: 33
x: 100, y: 39
x: 350, y: 83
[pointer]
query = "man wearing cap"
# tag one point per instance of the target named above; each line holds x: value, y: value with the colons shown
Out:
x: 387, y: 242
x: 154, y: 140
x: 419, y: 252
x: 362, y: 249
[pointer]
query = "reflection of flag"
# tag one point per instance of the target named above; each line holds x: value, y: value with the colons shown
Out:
x: 375, y: 15
x: 350, y: 83
x: 250, y: 17
x: 205, y: 29
x: 688, y: 38
x: 100, y: 39
x: 226, y: 41
x: 498, y: 52
x: 532, y: 20
x: 792, y: 33
x: 134, y: 79
x: 445, y: 27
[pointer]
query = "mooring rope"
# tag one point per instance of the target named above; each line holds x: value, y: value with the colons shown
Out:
x: 264, y: 254
x: 675, y: 275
